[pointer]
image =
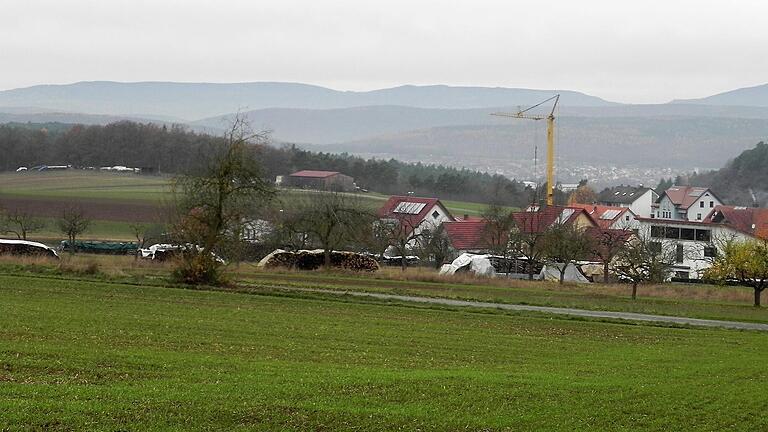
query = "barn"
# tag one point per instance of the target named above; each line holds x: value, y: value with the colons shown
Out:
x: 321, y: 180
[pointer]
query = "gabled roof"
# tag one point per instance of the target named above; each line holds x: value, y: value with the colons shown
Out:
x: 538, y: 221
x: 685, y: 196
x: 409, y: 209
x: 314, y: 174
x: 622, y: 194
x: 604, y: 216
x: 748, y: 220
x: 466, y: 235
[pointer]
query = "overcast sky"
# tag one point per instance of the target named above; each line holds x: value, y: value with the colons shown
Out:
x: 639, y: 51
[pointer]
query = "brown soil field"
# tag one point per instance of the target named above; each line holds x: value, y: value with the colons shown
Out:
x: 101, y: 209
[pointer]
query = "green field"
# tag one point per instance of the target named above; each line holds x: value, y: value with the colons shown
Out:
x: 86, y: 355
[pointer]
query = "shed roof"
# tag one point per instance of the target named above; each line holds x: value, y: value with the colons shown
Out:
x: 466, y: 235
x: 314, y: 174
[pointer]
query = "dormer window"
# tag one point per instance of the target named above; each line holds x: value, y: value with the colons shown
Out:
x: 435, y: 214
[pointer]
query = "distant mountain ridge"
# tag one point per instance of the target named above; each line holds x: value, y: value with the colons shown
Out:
x: 191, y: 101
x: 756, y: 96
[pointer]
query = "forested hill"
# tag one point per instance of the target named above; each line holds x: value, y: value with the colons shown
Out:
x: 175, y: 149
x: 743, y: 181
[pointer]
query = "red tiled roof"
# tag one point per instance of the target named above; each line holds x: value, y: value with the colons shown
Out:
x: 388, y: 209
x: 597, y: 211
x: 538, y: 221
x: 466, y: 235
x: 749, y: 220
x: 313, y: 174
x: 684, y: 196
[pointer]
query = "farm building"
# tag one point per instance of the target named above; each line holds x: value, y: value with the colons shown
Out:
x: 320, y: 180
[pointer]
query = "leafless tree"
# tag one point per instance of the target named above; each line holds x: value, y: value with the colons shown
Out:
x: 20, y: 223
x: 606, y: 244
x: 642, y: 260
x: 73, y: 222
x: 563, y: 245
x: 403, y: 233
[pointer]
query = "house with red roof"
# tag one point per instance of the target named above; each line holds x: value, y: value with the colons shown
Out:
x: 320, y: 180
x: 685, y: 203
x: 414, y: 214
x: 468, y: 236
x: 538, y: 220
x: 610, y: 217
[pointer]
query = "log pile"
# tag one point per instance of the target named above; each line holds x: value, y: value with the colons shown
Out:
x: 314, y: 259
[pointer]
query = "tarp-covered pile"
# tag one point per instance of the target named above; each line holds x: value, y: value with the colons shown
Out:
x: 112, y: 248
x: 23, y: 247
x: 477, y: 264
x: 314, y: 259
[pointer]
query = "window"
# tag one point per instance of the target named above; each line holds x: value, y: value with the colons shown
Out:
x: 710, y: 252
x: 657, y: 231
x: 435, y: 214
x: 679, y: 253
x: 687, y: 234
x: 682, y: 275
x: 672, y: 233
x: 698, y: 216
x: 703, y: 235
x: 701, y: 204
x: 711, y: 204
x: 654, y: 247
x: 626, y: 218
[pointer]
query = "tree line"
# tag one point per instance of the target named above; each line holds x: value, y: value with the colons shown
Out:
x: 175, y: 149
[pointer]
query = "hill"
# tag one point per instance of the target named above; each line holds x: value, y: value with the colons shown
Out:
x: 742, y: 181
x: 199, y: 100
x: 683, y: 142
x: 747, y: 96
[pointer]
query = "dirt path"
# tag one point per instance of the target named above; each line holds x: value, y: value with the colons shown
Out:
x: 629, y: 316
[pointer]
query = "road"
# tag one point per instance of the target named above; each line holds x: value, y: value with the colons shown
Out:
x: 628, y: 316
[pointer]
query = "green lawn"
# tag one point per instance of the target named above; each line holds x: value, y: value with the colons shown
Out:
x: 83, y: 355
x: 84, y: 184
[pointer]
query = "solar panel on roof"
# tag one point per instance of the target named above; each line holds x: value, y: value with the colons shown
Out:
x: 566, y: 214
x: 610, y: 214
x: 409, y: 207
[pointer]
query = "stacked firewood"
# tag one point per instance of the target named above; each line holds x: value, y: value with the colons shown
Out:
x: 314, y: 259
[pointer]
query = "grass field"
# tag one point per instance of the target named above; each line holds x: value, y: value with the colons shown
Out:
x: 87, y: 355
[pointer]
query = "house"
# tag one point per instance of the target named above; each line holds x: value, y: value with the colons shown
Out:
x: 685, y: 203
x: 538, y: 220
x: 638, y: 199
x: 468, y: 236
x: 697, y: 243
x: 609, y: 217
x: 415, y: 214
x: 320, y: 180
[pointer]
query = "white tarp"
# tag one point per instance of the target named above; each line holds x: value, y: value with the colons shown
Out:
x: 551, y: 272
x: 478, y: 264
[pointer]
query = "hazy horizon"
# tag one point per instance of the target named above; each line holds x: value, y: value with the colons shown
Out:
x: 652, y: 52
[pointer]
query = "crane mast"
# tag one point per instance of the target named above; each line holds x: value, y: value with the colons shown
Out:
x: 550, y: 140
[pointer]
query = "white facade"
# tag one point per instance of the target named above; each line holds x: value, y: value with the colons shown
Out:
x: 697, y: 211
x: 643, y: 205
x: 695, y: 243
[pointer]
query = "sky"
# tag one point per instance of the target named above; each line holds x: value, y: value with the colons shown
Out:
x: 626, y: 51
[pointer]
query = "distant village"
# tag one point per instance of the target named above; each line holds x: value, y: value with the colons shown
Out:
x: 692, y: 220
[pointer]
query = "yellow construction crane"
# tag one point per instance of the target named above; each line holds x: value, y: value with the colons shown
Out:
x: 550, y: 140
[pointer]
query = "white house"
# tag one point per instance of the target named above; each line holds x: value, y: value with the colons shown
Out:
x: 685, y: 203
x: 696, y: 243
x: 638, y: 199
x: 415, y: 214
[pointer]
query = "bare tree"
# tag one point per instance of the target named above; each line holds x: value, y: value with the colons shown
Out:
x: 563, y: 245
x: 333, y: 220
x: 145, y: 233
x: 642, y: 260
x: 73, y: 222
x: 213, y: 201
x: 606, y: 244
x: 20, y: 224
x: 526, y: 238
x: 403, y: 233
x: 435, y: 245
x: 498, y: 223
